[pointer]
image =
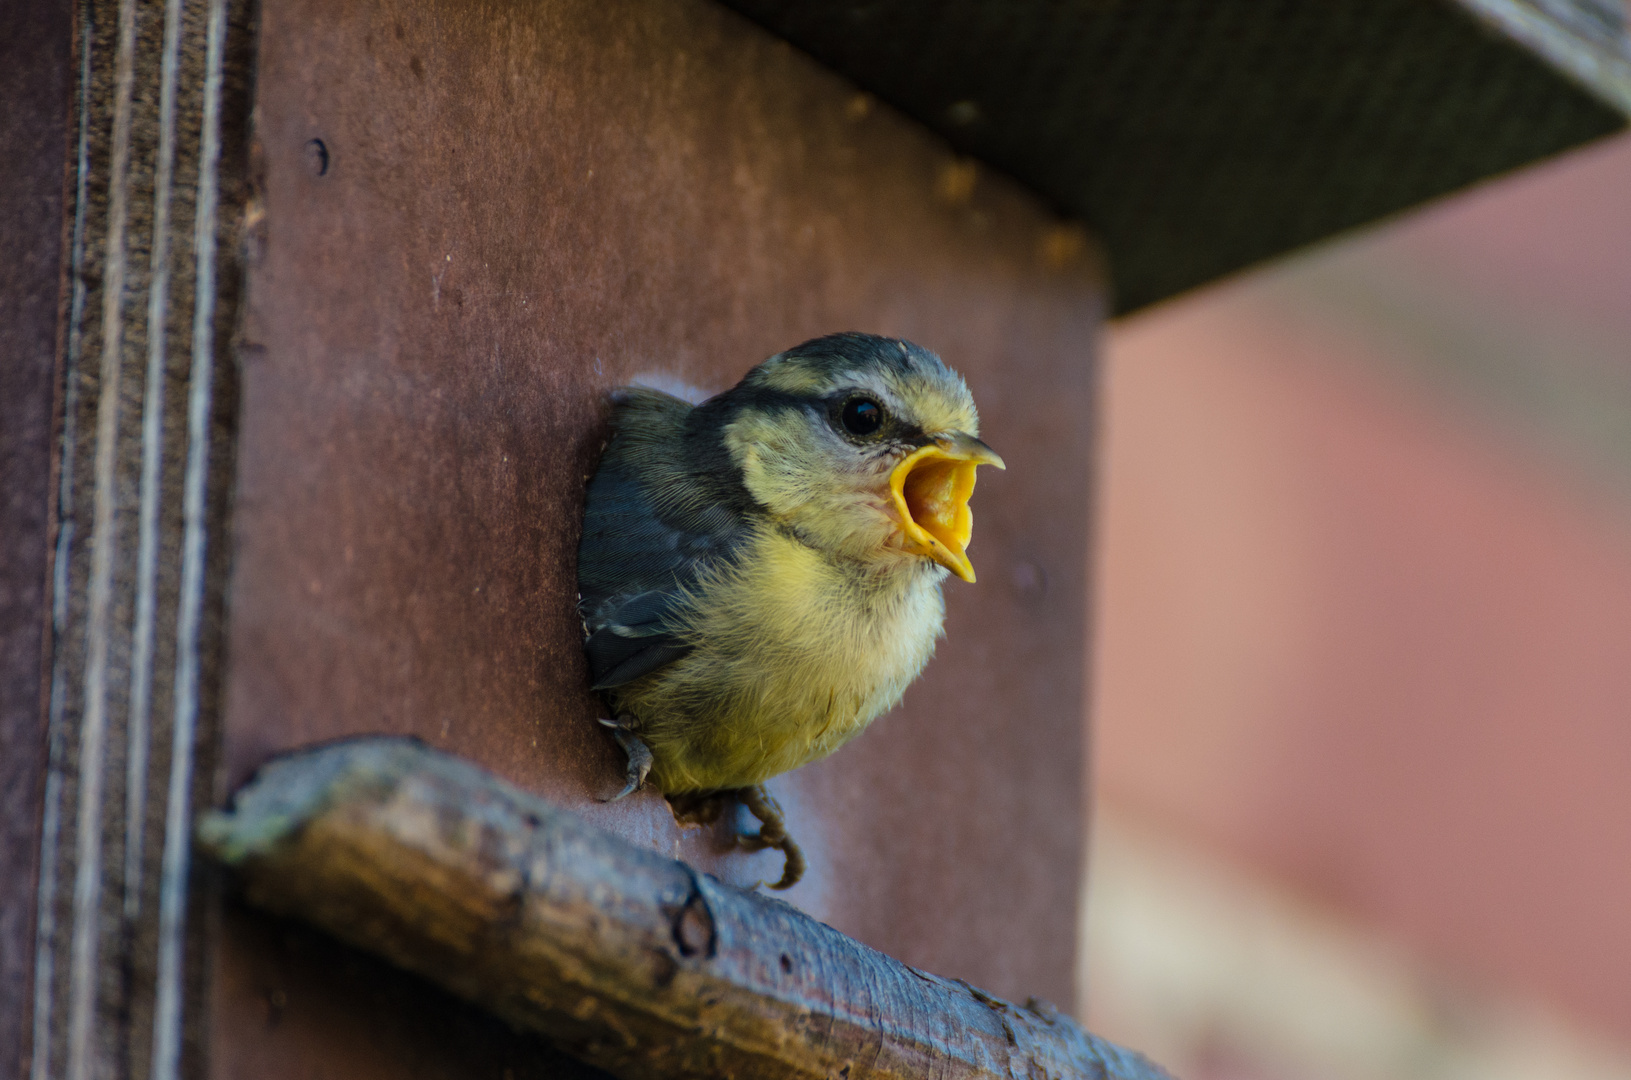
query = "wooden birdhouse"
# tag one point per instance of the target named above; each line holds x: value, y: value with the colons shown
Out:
x: 308, y: 313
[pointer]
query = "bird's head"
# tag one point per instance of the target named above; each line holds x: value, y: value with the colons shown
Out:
x: 863, y: 446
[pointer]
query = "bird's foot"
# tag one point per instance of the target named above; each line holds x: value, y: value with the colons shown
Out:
x: 694, y: 808
x: 772, y: 834
x: 639, y: 755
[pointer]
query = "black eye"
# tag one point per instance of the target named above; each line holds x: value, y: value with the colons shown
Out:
x: 862, y: 416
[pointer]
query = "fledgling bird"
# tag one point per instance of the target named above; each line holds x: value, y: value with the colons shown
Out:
x: 759, y: 575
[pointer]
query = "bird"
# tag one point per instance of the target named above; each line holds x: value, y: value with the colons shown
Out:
x: 760, y: 574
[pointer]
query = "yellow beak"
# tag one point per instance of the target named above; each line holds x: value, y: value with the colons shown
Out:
x: 930, y: 488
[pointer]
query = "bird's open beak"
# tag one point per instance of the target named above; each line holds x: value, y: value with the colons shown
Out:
x: 931, y: 487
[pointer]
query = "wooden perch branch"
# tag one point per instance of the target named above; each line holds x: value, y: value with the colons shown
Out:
x: 634, y: 962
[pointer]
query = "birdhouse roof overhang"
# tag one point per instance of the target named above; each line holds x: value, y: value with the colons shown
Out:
x: 1197, y: 137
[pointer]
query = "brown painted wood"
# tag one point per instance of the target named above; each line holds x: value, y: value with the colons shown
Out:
x: 340, y: 1012
x: 630, y: 960
x: 473, y: 219
x: 142, y: 452
x: 36, y: 72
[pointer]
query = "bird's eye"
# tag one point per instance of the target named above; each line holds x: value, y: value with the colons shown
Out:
x: 862, y: 416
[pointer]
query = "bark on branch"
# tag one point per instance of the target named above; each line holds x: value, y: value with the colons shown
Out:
x: 634, y: 962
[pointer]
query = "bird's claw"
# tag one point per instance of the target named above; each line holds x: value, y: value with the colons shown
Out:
x: 639, y: 755
x: 772, y: 834
x: 692, y: 808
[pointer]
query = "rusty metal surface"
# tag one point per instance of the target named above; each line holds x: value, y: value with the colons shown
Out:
x: 474, y: 218
x: 35, y: 77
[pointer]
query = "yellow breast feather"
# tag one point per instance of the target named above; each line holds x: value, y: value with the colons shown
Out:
x: 793, y: 657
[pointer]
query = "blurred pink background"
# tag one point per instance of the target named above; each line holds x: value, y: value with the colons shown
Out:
x: 1365, y: 584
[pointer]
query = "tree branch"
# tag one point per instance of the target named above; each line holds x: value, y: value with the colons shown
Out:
x: 634, y: 962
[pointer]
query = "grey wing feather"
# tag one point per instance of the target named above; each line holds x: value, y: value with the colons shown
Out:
x: 637, y: 561
x: 635, y: 639
x: 616, y: 661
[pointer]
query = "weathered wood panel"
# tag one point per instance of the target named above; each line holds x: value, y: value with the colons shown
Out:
x: 471, y: 220
x: 155, y: 132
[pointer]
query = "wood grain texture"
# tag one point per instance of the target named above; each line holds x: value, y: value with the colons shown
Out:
x: 145, y: 234
x: 633, y: 962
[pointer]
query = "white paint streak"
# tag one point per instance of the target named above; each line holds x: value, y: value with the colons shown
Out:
x: 147, y: 552
x: 167, y: 1012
